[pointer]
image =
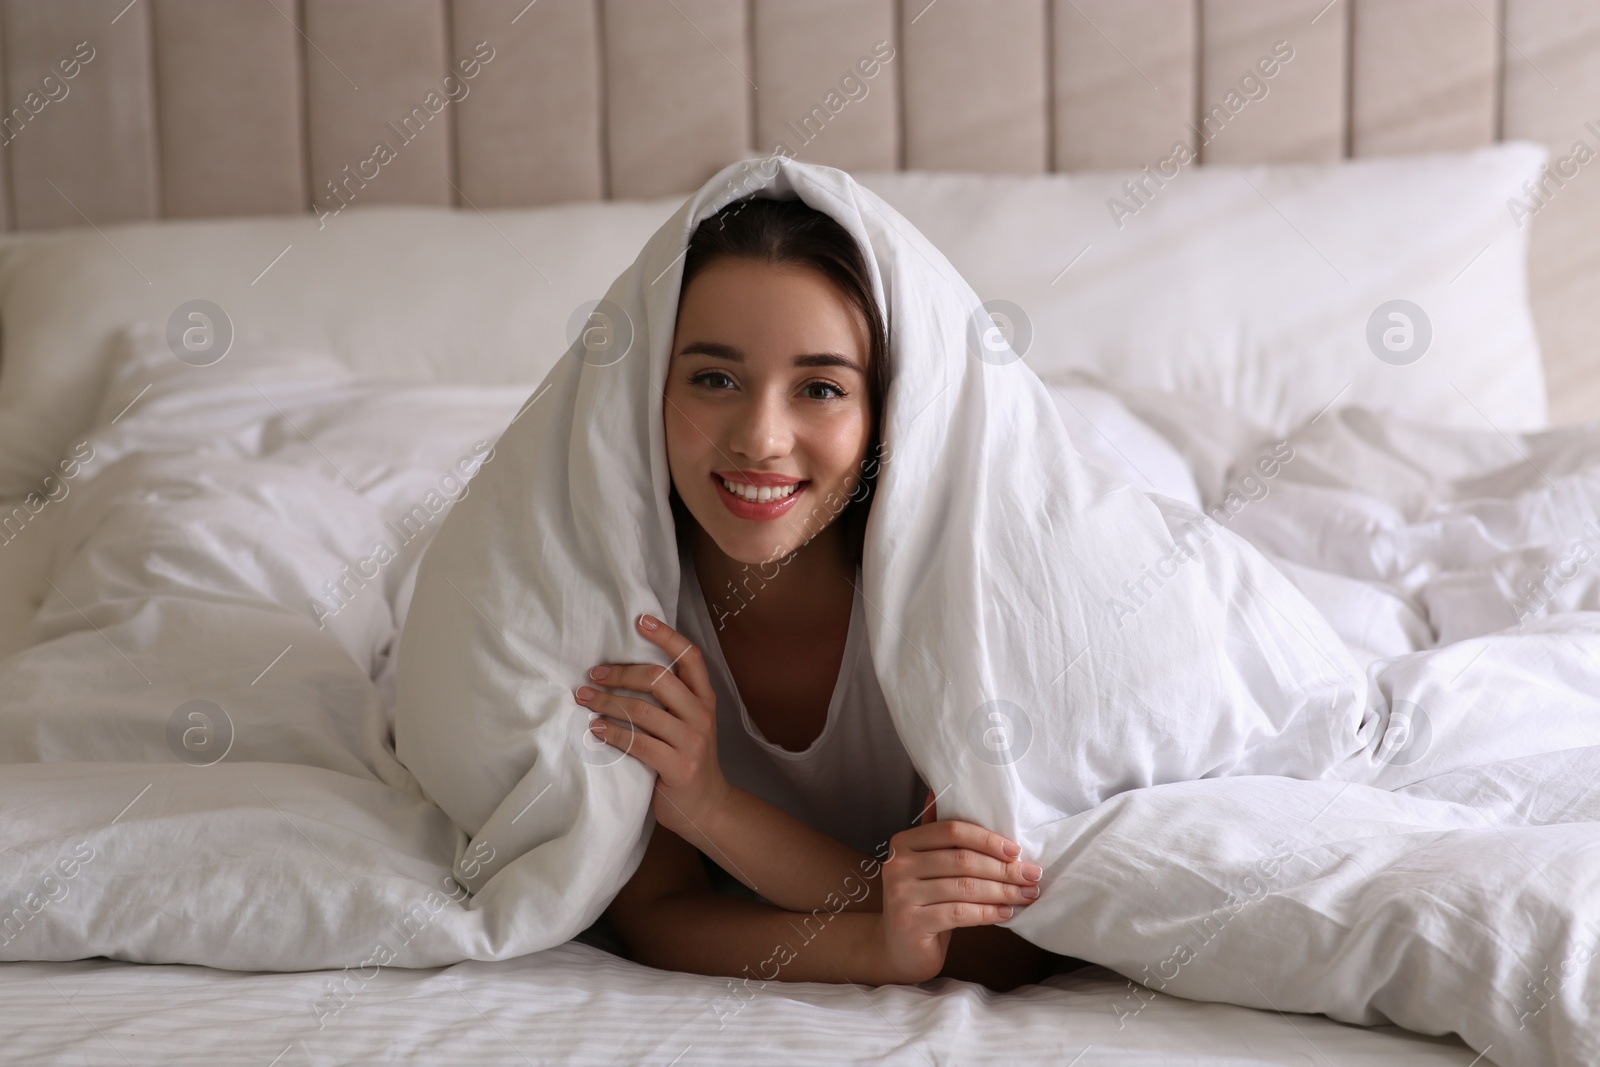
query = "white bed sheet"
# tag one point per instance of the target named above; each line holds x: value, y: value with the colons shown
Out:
x: 577, y: 1004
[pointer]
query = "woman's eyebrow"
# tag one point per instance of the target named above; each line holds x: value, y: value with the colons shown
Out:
x: 713, y: 349
x: 828, y: 359
x: 717, y: 350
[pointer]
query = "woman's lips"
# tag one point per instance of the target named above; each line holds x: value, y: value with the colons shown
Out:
x: 745, y: 509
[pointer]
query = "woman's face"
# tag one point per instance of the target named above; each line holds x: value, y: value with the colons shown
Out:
x: 766, y: 392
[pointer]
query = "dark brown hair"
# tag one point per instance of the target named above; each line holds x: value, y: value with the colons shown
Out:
x: 791, y: 231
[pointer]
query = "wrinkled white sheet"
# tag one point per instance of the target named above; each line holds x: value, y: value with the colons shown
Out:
x: 1446, y: 882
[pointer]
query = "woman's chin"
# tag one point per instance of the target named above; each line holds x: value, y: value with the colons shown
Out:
x: 764, y: 556
x: 754, y: 551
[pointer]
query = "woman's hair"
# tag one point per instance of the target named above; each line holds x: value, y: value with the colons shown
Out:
x: 791, y: 231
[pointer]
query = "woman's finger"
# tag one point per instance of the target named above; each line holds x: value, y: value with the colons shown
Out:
x: 668, y: 689
x: 687, y: 660
x: 963, y: 913
x: 966, y: 863
x: 655, y: 754
x: 957, y: 833
x: 969, y: 888
x: 637, y: 713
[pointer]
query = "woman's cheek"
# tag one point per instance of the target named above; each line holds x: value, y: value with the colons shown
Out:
x: 680, y: 436
x: 848, y: 457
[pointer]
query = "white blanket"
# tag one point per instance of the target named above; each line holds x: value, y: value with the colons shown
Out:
x: 1225, y: 802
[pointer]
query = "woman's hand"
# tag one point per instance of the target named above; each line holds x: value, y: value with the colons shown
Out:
x: 941, y: 875
x: 677, y: 739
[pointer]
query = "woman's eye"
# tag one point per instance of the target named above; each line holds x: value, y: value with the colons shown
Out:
x: 710, y: 377
x: 832, y: 391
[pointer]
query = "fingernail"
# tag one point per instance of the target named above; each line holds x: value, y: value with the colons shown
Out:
x: 599, y: 672
x: 1032, y: 871
x: 1013, y: 849
x: 584, y: 692
x: 647, y: 622
x: 1005, y: 911
x: 597, y: 727
x: 1030, y: 891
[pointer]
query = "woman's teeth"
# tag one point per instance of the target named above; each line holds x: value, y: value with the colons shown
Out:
x: 762, y: 495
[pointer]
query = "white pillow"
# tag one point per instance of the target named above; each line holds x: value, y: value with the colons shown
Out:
x: 1255, y: 285
x: 1207, y: 289
x: 408, y: 293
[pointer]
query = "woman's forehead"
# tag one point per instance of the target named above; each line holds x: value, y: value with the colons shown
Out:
x: 745, y: 305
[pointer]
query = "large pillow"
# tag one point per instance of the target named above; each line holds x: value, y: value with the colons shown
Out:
x: 413, y: 293
x: 1251, y: 286
x: 1273, y: 289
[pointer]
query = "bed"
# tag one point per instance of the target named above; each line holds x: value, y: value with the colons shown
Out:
x: 231, y: 361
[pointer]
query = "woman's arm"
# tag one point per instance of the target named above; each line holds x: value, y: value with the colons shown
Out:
x: 792, y: 865
x: 669, y: 917
x: 776, y: 855
x: 948, y: 876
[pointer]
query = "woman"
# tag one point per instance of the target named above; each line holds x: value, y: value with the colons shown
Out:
x: 992, y: 582
x: 776, y: 755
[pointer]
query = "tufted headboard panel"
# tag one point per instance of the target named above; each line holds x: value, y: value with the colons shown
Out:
x: 194, y: 108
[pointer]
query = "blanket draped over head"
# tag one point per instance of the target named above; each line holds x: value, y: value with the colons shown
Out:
x: 1056, y: 649
x: 1041, y: 636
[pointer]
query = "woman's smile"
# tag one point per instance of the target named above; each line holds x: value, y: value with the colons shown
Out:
x: 758, y: 497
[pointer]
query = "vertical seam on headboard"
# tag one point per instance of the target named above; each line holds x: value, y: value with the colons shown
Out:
x: 898, y: 13
x: 1049, y: 86
x: 604, y: 123
x: 303, y: 75
x: 1502, y: 17
x: 1196, y: 104
x: 452, y: 163
x: 157, y: 160
x: 755, y: 75
x: 5, y: 101
x: 1349, y: 147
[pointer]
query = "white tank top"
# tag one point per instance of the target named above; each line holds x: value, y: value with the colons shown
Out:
x: 855, y: 782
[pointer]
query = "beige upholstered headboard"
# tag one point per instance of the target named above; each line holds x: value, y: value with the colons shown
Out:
x: 120, y: 110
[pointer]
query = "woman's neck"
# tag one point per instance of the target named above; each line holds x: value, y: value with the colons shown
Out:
x: 777, y: 595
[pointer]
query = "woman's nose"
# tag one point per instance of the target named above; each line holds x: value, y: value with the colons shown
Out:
x: 761, y: 430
